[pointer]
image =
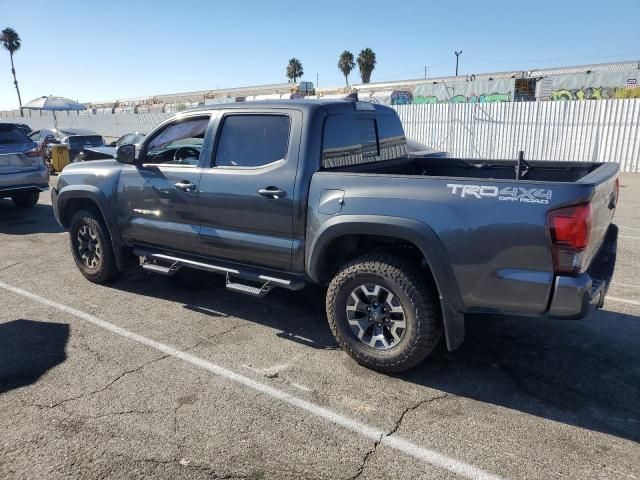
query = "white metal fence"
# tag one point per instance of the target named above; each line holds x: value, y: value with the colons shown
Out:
x: 598, y: 130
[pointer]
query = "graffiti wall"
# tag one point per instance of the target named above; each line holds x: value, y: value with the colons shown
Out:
x: 595, y: 86
x: 477, y: 91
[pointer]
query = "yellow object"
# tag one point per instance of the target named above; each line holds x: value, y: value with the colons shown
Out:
x: 59, y: 157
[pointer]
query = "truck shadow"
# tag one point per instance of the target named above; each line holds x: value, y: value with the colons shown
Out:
x: 25, y: 221
x: 28, y: 349
x: 582, y: 373
x: 299, y: 316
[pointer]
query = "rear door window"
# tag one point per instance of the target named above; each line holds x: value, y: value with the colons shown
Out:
x: 252, y: 140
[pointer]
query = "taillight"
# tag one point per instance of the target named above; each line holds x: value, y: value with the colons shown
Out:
x: 570, y: 230
x: 617, y: 188
x: 34, y: 152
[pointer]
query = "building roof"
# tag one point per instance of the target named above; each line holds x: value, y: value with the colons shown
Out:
x: 595, y: 67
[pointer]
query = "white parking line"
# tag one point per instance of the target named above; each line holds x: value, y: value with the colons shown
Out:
x: 628, y: 228
x: 622, y: 300
x: 628, y: 236
x: 426, y: 455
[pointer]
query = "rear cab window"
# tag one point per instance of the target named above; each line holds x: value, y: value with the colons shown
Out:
x: 252, y: 140
x: 353, y: 139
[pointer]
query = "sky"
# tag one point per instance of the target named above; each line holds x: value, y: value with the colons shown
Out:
x: 108, y: 50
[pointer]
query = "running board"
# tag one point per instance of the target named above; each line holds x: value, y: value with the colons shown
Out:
x: 249, y: 289
x: 152, y: 258
x: 161, y: 269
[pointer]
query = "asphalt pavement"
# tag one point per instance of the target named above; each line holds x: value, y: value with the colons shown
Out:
x: 179, y: 378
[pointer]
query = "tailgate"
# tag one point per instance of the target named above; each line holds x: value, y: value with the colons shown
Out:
x: 603, y: 204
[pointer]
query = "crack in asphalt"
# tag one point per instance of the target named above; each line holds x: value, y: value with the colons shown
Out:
x: 123, y: 412
x: 217, y: 334
x: 182, y: 463
x: 101, y: 389
x: 395, y: 428
x: 12, y: 265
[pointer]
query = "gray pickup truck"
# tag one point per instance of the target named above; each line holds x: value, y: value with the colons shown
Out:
x: 282, y: 194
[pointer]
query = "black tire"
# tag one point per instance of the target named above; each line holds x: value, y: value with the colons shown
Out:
x: 103, y: 270
x: 26, y: 200
x: 417, y: 297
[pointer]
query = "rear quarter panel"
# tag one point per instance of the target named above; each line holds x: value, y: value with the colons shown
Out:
x: 498, y: 248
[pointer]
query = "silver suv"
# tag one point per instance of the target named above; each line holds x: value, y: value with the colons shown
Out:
x: 23, y: 174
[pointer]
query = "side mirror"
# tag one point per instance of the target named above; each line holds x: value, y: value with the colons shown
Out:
x: 126, y: 154
x: 112, y: 144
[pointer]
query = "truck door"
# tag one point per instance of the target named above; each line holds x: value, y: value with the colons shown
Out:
x: 157, y: 199
x: 246, y: 192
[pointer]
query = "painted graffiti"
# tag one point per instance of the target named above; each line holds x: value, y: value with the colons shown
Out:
x: 595, y: 93
x: 401, y: 97
x: 594, y: 86
x: 473, y: 98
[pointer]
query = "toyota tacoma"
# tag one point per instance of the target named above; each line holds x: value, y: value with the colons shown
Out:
x: 408, y: 245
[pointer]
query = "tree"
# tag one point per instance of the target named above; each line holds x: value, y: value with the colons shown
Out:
x: 346, y: 63
x: 366, y: 63
x: 294, y: 70
x: 12, y: 43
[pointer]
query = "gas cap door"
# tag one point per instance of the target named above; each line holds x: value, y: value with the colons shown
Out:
x: 331, y: 201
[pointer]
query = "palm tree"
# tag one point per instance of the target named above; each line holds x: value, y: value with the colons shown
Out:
x: 294, y: 70
x: 12, y: 43
x: 366, y: 63
x: 346, y: 63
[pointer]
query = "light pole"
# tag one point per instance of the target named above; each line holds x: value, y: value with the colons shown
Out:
x: 457, y: 58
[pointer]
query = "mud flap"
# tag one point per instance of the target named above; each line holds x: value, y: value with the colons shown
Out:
x: 453, y: 326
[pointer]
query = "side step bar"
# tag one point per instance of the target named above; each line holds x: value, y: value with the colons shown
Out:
x: 249, y: 289
x: 161, y: 269
x: 169, y: 264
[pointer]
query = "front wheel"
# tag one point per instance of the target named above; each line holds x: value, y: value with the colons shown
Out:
x: 91, y: 247
x: 384, y: 313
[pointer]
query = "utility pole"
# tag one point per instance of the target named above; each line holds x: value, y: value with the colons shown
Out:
x: 457, y: 58
x: 425, y: 71
x: 317, y: 79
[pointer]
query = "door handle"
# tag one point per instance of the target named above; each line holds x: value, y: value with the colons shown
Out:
x: 186, y: 186
x: 272, y: 192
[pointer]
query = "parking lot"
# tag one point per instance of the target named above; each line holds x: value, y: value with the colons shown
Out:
x: 179, y: 378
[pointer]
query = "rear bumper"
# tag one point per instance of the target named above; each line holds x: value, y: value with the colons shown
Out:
x: 22, y: 182
x: 575, y: 297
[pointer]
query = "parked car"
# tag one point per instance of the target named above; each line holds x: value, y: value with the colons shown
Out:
x: 78, y: 143
x: 65, y: 136
x: 23, y: 174
x: 52, y: 135
x: 409, y: 247
x: 109, y: 151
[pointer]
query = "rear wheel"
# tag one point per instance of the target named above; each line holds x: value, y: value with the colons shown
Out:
x: 91, y: 247
x: 384, y: 313
x: 26, y: 200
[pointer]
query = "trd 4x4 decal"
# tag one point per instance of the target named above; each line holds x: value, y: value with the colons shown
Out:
x: 505, y: 194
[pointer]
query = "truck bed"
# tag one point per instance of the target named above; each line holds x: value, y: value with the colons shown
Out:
x: 493, y: 228
x: 538, y: 171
